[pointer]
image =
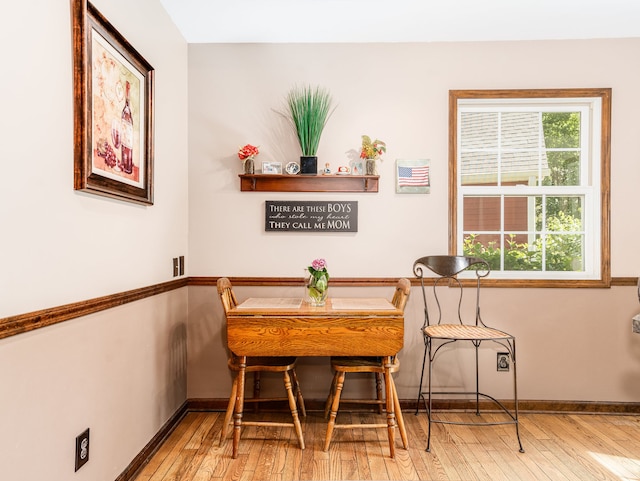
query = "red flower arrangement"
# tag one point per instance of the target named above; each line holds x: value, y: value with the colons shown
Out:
x: 248, y: 152
x: 372, y: 149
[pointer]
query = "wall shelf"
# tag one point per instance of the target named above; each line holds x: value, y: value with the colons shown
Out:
x: 308, y: 183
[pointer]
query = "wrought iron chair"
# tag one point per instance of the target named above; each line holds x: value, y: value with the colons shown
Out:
x: 342, y: 365
x: 285, y: 365
x: 439, y: 332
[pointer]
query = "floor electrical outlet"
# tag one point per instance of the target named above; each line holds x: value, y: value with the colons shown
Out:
x: 82, y: 449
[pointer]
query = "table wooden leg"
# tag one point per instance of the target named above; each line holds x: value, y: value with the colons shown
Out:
x: 237, y: 415
x: 391, y: 417
x: 334, y: 409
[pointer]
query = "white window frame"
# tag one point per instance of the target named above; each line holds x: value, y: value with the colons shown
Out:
x: 594, y: 106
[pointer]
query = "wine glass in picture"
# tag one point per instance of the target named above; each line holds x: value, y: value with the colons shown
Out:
x: 115, y: 138
x: 115, y: 133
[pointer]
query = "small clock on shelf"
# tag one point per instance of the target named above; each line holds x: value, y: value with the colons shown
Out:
x: 292, y: 168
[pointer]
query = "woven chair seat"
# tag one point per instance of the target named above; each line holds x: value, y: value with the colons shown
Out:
x: 276, y: 364
x: 362, y: 364
x: 462, y: 332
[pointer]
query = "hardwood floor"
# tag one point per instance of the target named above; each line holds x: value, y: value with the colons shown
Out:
x: 559, y: 447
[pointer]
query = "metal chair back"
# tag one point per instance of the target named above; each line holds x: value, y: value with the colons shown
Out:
x: 446, y: 270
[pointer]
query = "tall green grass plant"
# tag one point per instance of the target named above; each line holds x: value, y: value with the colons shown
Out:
x: 309, y: 110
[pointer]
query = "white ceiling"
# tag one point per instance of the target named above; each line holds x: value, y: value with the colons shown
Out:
x: 283, y: 21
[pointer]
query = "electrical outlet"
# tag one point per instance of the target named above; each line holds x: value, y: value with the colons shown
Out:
x: 504, y: 361
x: 181, y: 269
x: 82, y: 449
x: 176, y: 267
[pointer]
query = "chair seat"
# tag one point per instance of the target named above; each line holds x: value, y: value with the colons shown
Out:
x: 462, y: 332
x: 273, y: 364
x: 362, y: 364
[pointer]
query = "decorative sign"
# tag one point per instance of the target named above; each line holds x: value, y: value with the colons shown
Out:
x: 311, y: 216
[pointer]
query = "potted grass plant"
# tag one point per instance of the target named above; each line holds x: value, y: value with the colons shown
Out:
x: 309, y: 109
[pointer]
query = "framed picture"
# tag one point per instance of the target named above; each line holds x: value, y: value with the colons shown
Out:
x: 272, y: 167
x: 357, y: 167
x: 413, y: 177
x: 113, y: 110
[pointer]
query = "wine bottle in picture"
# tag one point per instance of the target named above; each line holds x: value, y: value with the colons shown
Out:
x: 126, y: 136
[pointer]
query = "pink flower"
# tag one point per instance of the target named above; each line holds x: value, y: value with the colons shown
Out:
x: 319, y: 264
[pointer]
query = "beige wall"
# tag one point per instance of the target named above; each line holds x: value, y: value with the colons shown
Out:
x: 121, y: 372
x: 573, y: 344
x: 66, y: 245
x: 399, y: 93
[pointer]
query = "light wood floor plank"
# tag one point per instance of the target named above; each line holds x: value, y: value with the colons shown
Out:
x: 175, y: 446
x: 559, y: 447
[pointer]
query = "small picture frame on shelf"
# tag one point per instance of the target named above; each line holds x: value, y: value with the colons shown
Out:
x: 272, y: 167
x: 357, y: 167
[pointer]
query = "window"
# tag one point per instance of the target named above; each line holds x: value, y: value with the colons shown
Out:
x: 529, y: 176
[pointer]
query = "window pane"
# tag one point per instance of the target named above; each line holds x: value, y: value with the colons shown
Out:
x: 481, y: 214
x: 479, y: 168
x: 561, y: 130
x: 564, y: 252
x: 519, y: 213
x: 521, y: 168
x: 520, y: 255
x: 520, y: 130
x: 563, y: 168
x: 564, y: 214
x: 479, y: 130
x: 485, y: 246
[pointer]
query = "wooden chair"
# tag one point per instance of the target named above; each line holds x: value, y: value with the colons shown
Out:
x: 285, y: 365
x: 374, y: 365
x: 440, y: 332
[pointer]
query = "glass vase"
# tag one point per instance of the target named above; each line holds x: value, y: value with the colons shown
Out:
x: 370, y: 166
x: 248, y: 166
x: 317, y: 290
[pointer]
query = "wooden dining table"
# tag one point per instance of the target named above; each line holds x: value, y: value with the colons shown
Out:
x: 293, y: 327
